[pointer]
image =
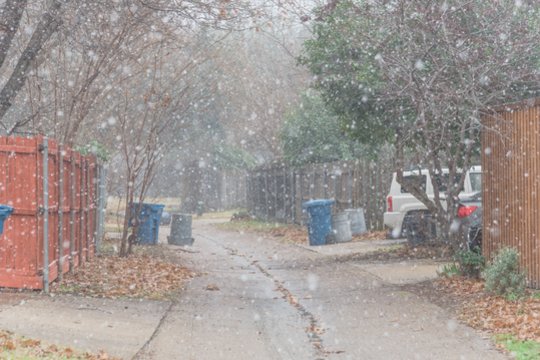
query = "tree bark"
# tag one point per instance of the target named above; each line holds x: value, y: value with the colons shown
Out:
x: 9, y: 23
x: 47, y: 26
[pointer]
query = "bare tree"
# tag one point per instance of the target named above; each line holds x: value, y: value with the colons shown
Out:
x: 89, y: 60
x: 144, y: 121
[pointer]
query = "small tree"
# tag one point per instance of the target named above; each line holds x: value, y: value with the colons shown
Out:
x: 146, y: 119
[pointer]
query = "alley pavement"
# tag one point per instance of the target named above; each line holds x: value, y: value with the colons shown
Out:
x: 259, y: 298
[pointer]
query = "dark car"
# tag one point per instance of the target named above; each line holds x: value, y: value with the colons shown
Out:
x: 421, y: 227
x: 470, y: 216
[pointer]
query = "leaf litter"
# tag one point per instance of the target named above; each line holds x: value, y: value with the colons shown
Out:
x: 137, y: 276
x: 16, y: 347
x: 493, y: 314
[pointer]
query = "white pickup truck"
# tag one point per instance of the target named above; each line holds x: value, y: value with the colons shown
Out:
x: 400, y: 203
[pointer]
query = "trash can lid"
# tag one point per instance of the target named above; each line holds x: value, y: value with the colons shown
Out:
x: 151, y: 207
x: 156, y: 207
x: 318, y: 202
x: 5, y: 210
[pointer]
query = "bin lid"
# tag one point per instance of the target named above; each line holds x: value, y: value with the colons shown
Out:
x: 152, y: 207
x: 5, y: 210
x: 155, y: 207
x: 318, y: 202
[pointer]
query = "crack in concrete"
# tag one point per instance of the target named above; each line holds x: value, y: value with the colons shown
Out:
x: 143, y: 350
x: 313, y: 330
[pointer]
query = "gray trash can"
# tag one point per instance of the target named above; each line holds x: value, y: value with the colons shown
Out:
x: 341, y: 227
x: 180, y: 230
x: 358, y: 221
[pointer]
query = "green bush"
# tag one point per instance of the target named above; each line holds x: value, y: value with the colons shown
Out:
x: 503, y: 276
x: 470, y: 262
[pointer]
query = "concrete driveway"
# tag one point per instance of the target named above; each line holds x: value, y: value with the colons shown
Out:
x: 259, y: 298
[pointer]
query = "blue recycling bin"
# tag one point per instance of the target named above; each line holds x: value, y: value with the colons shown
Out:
x: 319, y: 220
x: 149, y: 219
x: 5, y: 211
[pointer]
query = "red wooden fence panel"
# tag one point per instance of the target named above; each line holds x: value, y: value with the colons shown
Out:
x: 65, y: 208
x: 77, y: 248
x: 92, y: 205
x: 19, y: 250
x: 21, y: 186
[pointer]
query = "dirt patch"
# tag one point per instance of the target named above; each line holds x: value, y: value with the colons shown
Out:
x: 290, y: 233
x: 371, y: 235
x: 299, y: 235
x: 137, y: 276
x: 402, y: 253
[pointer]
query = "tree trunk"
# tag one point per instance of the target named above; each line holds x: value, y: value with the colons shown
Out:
x: 47, y: 26
x: 127, y: 216
x: 9, y: 23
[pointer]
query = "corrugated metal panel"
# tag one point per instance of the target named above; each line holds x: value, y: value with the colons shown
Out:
x: 511, y: 184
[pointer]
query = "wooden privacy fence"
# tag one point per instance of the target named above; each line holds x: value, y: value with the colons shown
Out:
x: 277, y: 193
x: 511, y: 184
x: 54, y: 226
x: 215, y: 189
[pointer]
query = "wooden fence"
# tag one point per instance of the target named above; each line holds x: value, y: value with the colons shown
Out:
x: 54, y: 227
x: 511, y: 184
x: 276, y: 193
x: 212, y: 189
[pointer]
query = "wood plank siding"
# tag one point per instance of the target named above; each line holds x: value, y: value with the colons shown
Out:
x: 511, y: 183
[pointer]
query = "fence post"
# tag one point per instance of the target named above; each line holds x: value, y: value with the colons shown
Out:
x: 72, y: 178
x: 247, y: 192
x: 61, y: 213
x: 81, y: 215
x: 267, y: 214
x: 45, y: 153
x: 87, y: 213
x: 301, y: 197
x: 275, y: 193
x: 325, y: 182
x: 101, y: 207
x: 292, y: 195
x: 350, y: 185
